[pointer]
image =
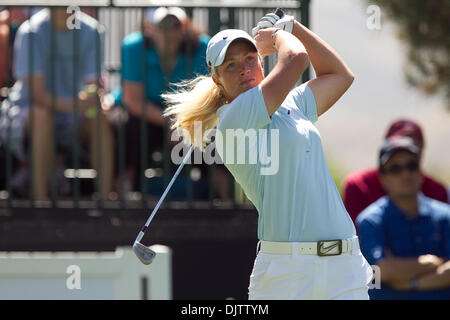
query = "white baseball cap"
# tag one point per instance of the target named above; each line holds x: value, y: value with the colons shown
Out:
x: 218, y: 45
x: 155, y: 16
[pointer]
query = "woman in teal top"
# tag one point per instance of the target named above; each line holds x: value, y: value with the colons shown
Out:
x: 309, y: 248
x: 171, y: 49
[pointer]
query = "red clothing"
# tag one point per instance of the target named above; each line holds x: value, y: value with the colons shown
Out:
x: 4, y: 49
x: 364, y: 187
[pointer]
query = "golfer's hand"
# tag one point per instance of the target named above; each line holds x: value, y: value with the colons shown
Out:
x: 271, y: 20
x: 265, y: 43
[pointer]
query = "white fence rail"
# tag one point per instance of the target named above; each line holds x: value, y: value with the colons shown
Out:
x: 115, y: 275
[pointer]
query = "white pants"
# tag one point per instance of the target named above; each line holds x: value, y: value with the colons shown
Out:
x: 310, y: 277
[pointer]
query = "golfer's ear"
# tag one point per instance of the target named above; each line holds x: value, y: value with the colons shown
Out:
x: 216, y: 81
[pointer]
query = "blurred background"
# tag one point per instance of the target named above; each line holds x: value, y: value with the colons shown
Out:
x: 354, y: 128
x: 207, y: 227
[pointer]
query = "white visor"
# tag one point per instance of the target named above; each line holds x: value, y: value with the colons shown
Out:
x: 218, y: 45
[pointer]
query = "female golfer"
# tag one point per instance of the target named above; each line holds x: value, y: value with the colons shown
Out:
x: 308, y: 243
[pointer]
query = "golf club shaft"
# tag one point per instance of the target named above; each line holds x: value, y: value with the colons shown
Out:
x: 141, y: 233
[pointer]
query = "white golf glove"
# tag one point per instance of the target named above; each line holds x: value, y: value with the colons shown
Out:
x: 270, y: 20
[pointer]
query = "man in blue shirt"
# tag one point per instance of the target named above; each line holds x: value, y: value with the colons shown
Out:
x: 55, y: 98
x: 406, y: 234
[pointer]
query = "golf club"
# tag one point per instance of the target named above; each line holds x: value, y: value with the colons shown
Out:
x: 144, y: 253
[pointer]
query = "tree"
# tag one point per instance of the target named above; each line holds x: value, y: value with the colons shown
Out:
x: 424, y: 25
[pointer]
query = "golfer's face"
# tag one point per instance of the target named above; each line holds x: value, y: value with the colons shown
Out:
x: 240, y: 71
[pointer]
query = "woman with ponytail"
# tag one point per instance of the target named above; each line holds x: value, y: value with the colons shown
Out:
x: 195, y: 101
x: 308, y: 243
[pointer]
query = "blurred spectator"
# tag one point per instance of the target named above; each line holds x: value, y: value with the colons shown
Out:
x: 406, y: 233
x: 60, y: 68
x: 362, y: 188
x: 10, y: 20
x: 448, y: 194
x: 4, y: 48
x: 93, y: 12
x: 174, y: 50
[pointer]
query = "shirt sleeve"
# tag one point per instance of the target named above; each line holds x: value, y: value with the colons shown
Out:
x: 200, y: 66
x: 93, y: 57
x: 371, y: 239
x: 132, y: 52
x: 433, y: 189
x: 26, y: 43
x: 304, y: 99
x: 247, y: 111
x: 446, y: 228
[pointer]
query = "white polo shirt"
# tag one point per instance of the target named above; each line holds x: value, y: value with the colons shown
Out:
x: 289, y: 182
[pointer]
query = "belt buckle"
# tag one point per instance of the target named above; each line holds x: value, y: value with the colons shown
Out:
x: 329, y: 250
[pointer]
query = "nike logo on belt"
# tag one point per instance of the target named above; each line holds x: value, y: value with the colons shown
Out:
x: 323, y: 250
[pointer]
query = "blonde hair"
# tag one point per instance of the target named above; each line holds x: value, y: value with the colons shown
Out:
x: 192, y: 101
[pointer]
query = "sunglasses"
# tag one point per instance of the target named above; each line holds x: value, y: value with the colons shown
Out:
x: 411, y: 166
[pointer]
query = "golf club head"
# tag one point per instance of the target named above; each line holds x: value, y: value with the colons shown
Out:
x: 145, y: 254
x: 279, y: 12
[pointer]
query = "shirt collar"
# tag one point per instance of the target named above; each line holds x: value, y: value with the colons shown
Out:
x: 219, y: 111
x: 422, y: 206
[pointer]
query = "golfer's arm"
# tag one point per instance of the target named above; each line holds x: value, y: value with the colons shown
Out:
x: 394, y: 269
x: 333, y: 77
x: 436, y: 280
x: 291, y: 63
x: 132, y: 97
